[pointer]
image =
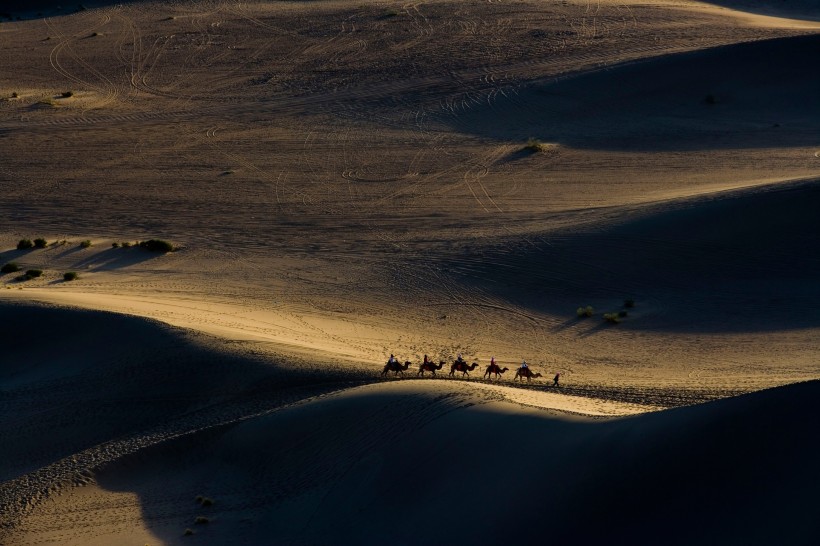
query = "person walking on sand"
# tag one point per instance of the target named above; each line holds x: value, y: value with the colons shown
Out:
x: 555, y: 379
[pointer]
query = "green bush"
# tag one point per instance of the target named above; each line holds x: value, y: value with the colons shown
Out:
x: 587, y: 311
x: 24, y: 244
x: 534, y: 145
x: 10, y: 267
x: 34, y: 273
x: 85, y: 244
x: 70, y: 276
x: 612, y: 318
x: 157, y: 245
x: 40, y: 243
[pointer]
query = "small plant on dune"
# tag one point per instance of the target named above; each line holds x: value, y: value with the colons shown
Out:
x: 622, y: 314
x: 70, y: 276
x: 629, y: 304
x: 85, y: 244
x: 201, y: 520
x: 534, y: 145
x: 157, y: 245
x: 115, y: 245
x: 126, y: 244
x: 584, y: 312
x: 34, y: 273
x: 612, y: 318
x: 67, y: 94
x: 24, y: 244
x: 40, y: 243
x: 207, y: 502
x: 188, y: 532
x: 15, y: 95
x: 391, y: 13
x: 10, y: 267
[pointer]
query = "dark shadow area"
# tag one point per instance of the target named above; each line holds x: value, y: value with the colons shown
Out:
x: 744, y: 261
x: 116, y: 258
x: 71, y: 379
x: 13, y: 10
x: 795, y: 9
x: 751, y: 95
x: 739, y: 471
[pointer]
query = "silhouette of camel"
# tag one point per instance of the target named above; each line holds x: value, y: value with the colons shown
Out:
x: 397, y: 368
x: 429, y: 367
x: 462, y: 367
x: 494, y: 369
x: 526, y: 372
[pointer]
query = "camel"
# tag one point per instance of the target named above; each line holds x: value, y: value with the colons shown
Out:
x: 462, y: 367
x: 526, y: 372
x: 429, y: 367
x: 397, y: 368
x: 494, y: 369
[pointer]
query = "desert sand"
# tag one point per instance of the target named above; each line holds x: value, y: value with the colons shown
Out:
x: 344, y: 181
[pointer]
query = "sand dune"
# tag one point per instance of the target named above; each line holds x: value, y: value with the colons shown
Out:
x: 740, y: 96
x: 799, y: 9
x: 428, y: 464
x: 345, y: 181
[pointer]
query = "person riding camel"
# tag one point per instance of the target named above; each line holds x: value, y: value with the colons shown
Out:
x: 524, y: 364
x: 492, y: 361
x: 460, y: 360
x: 427, y: 360
x: 392, y: 359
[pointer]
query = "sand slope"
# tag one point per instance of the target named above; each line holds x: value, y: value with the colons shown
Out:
x: 428, y: 463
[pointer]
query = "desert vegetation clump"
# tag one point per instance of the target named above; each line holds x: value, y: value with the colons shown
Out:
x: 201, y: 520
x: 70, y: 276
x: 34, y: 273
x: 157, y: 245
x: 85, y: 244
x: 584, y: 312
x: 612, y: 318
x: 534, y: 145
x: 622, y: 313
x: 188, y: 532
x: 10, y: 267
x: 40, y: 243
x: 126, y: 244
x: 24, y: 244
x: 115, y: 245
x: 67, y: 94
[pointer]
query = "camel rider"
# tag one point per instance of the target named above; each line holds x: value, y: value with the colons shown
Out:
x: 524, y: 364
x: 459, y: 359
x: 492, y: 361
x: 427, y: 360
x: 392, y: 360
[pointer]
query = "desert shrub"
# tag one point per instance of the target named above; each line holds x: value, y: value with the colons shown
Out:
x: 34, y: 273
x: 207, y: 502
x: 85, y: 244
x: 622, y: 314
x: 188, y: 532
x: 198, y: 499
x: 201, y: 520
x: 157, y: 245
x: 67, y: 94
x: 612, y: 318
x: 126, y: 244
x: 14, y: 95
x: 40, y: 243
x: 587, y: 311
x: 115, y: 245
x: 10, y: 267
x: 24, y: 244
x: 70, y: 276
x: 629, y: 304
x: 391, y: 13
x: 534, y: 145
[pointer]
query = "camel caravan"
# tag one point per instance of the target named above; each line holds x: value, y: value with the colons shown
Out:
x: 460, y: 365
